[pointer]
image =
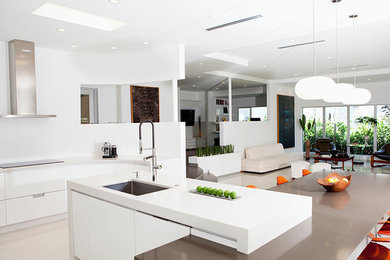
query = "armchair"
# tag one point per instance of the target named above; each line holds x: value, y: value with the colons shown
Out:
x: 324, y: 146
x: 383, y: 154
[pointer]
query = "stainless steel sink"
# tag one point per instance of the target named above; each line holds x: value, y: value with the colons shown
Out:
x: 136, y: 188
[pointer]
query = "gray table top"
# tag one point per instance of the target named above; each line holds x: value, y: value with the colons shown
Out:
x: 337, y: 230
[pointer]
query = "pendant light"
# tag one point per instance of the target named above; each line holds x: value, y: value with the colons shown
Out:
x: 314, y: 87
x: 356, y: 96
x: 338, y: 90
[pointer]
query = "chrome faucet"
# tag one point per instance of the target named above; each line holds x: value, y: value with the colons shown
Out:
x: 155, y: 166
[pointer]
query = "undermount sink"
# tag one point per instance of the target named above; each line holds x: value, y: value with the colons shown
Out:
x: 135, y: 187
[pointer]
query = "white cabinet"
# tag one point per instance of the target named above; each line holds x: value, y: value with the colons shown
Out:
x: 36, y: 206
x: 2, y: 213
x: 152, y: 232
x: 2, y: 187
x: 29, y: 181
x: 101, y: 230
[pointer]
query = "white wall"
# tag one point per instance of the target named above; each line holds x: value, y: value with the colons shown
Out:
x: 195, y: 100
x: 59, y: 76
x: 211, y: 106
x: 245, y: 134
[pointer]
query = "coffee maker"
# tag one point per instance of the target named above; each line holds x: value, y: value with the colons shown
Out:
x: 109, y: 150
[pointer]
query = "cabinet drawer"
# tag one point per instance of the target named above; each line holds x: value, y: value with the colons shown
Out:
x: 230, y: 242
x: 152, y: 232
x: 2, y: 189
x: 36, y: 206
x: 2, y: 213
x: 25, y: 182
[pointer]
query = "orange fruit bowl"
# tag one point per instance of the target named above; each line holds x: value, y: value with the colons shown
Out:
x: 335, y: 182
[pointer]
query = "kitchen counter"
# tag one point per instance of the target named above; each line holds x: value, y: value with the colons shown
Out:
x: 337, y: 230
x: 138, y: 159
x: 250, y: 221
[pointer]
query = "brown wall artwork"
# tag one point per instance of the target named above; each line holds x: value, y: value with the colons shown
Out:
x: 145, y: 102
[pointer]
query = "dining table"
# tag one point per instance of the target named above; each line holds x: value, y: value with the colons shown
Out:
x: 337, y: 230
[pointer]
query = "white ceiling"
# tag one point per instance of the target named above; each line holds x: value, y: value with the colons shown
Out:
x: 159, y: 22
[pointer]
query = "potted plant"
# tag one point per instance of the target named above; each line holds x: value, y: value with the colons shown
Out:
x: 218, y: 160
x: 302, y: 123
x: 368, y: 121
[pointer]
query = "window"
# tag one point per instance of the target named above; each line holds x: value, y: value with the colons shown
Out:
x: 383, y: 126
x: 244, y: 114
x: 336, y: 126
x: 361, y: 131
x: 316, y: 131
x: 365, y: 135
x: 252, y: 113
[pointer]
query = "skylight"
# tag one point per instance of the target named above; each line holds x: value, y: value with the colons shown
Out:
x: 70, y: 15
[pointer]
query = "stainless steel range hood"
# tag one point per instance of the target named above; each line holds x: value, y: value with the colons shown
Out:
x: 22, y: 80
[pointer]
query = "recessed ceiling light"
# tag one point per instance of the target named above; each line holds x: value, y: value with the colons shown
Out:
x: 223, y: 82
x: 70, y: 15
x: 293, y: 40
x: 114, y: 1
x: 368, y: 79
x: 199, y: 77
x: 264, y: 66
x: 216, y: 88
x: 146, y: 43
x: 200, y: 63
x: 295, y: 74
x: 114, y: 47
x: 61, y: 30
x: 74, y: 46
x: 352, y: 68
x: 329, y: 58
x: 245, y: 85
x: 193, y: 86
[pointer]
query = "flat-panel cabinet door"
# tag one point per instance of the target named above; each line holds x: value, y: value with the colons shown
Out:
x: 102, y: 230
x: 2, y: 187
x: 29, y: 181
x: 36, y: 206
x: 152, y: 232
x: 2, y: 213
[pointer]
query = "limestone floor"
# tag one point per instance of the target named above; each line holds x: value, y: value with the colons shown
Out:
x: 44, y: 242
x: 50, y: 241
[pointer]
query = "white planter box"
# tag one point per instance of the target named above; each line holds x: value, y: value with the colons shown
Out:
x: 219, y: 165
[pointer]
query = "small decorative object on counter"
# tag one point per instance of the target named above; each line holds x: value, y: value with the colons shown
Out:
x: 109, y: 151
x: 216, y: 193
x: 335, y: 182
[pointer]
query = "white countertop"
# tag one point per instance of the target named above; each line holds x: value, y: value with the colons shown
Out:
x: 256, y: 210
x: 136, y: 158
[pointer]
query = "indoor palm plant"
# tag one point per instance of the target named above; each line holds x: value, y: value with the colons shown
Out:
x: 367, y: 123
x: 306, y: 128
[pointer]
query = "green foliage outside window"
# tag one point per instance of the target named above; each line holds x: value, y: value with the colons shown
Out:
x: 356, y: 136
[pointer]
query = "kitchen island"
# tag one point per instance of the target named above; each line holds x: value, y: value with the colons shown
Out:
x: 337, y: 230
x: 110, y: 224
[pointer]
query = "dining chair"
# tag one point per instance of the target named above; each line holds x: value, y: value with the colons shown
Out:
x: 297, y: 167
x: 375, y: 251
x: 281, y: 180
x: 317, y: 167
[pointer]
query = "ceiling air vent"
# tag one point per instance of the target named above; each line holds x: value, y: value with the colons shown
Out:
x: 300, y: 44
x: 234, y: 22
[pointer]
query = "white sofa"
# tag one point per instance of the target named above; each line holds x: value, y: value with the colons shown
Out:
x: 265, y: 158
